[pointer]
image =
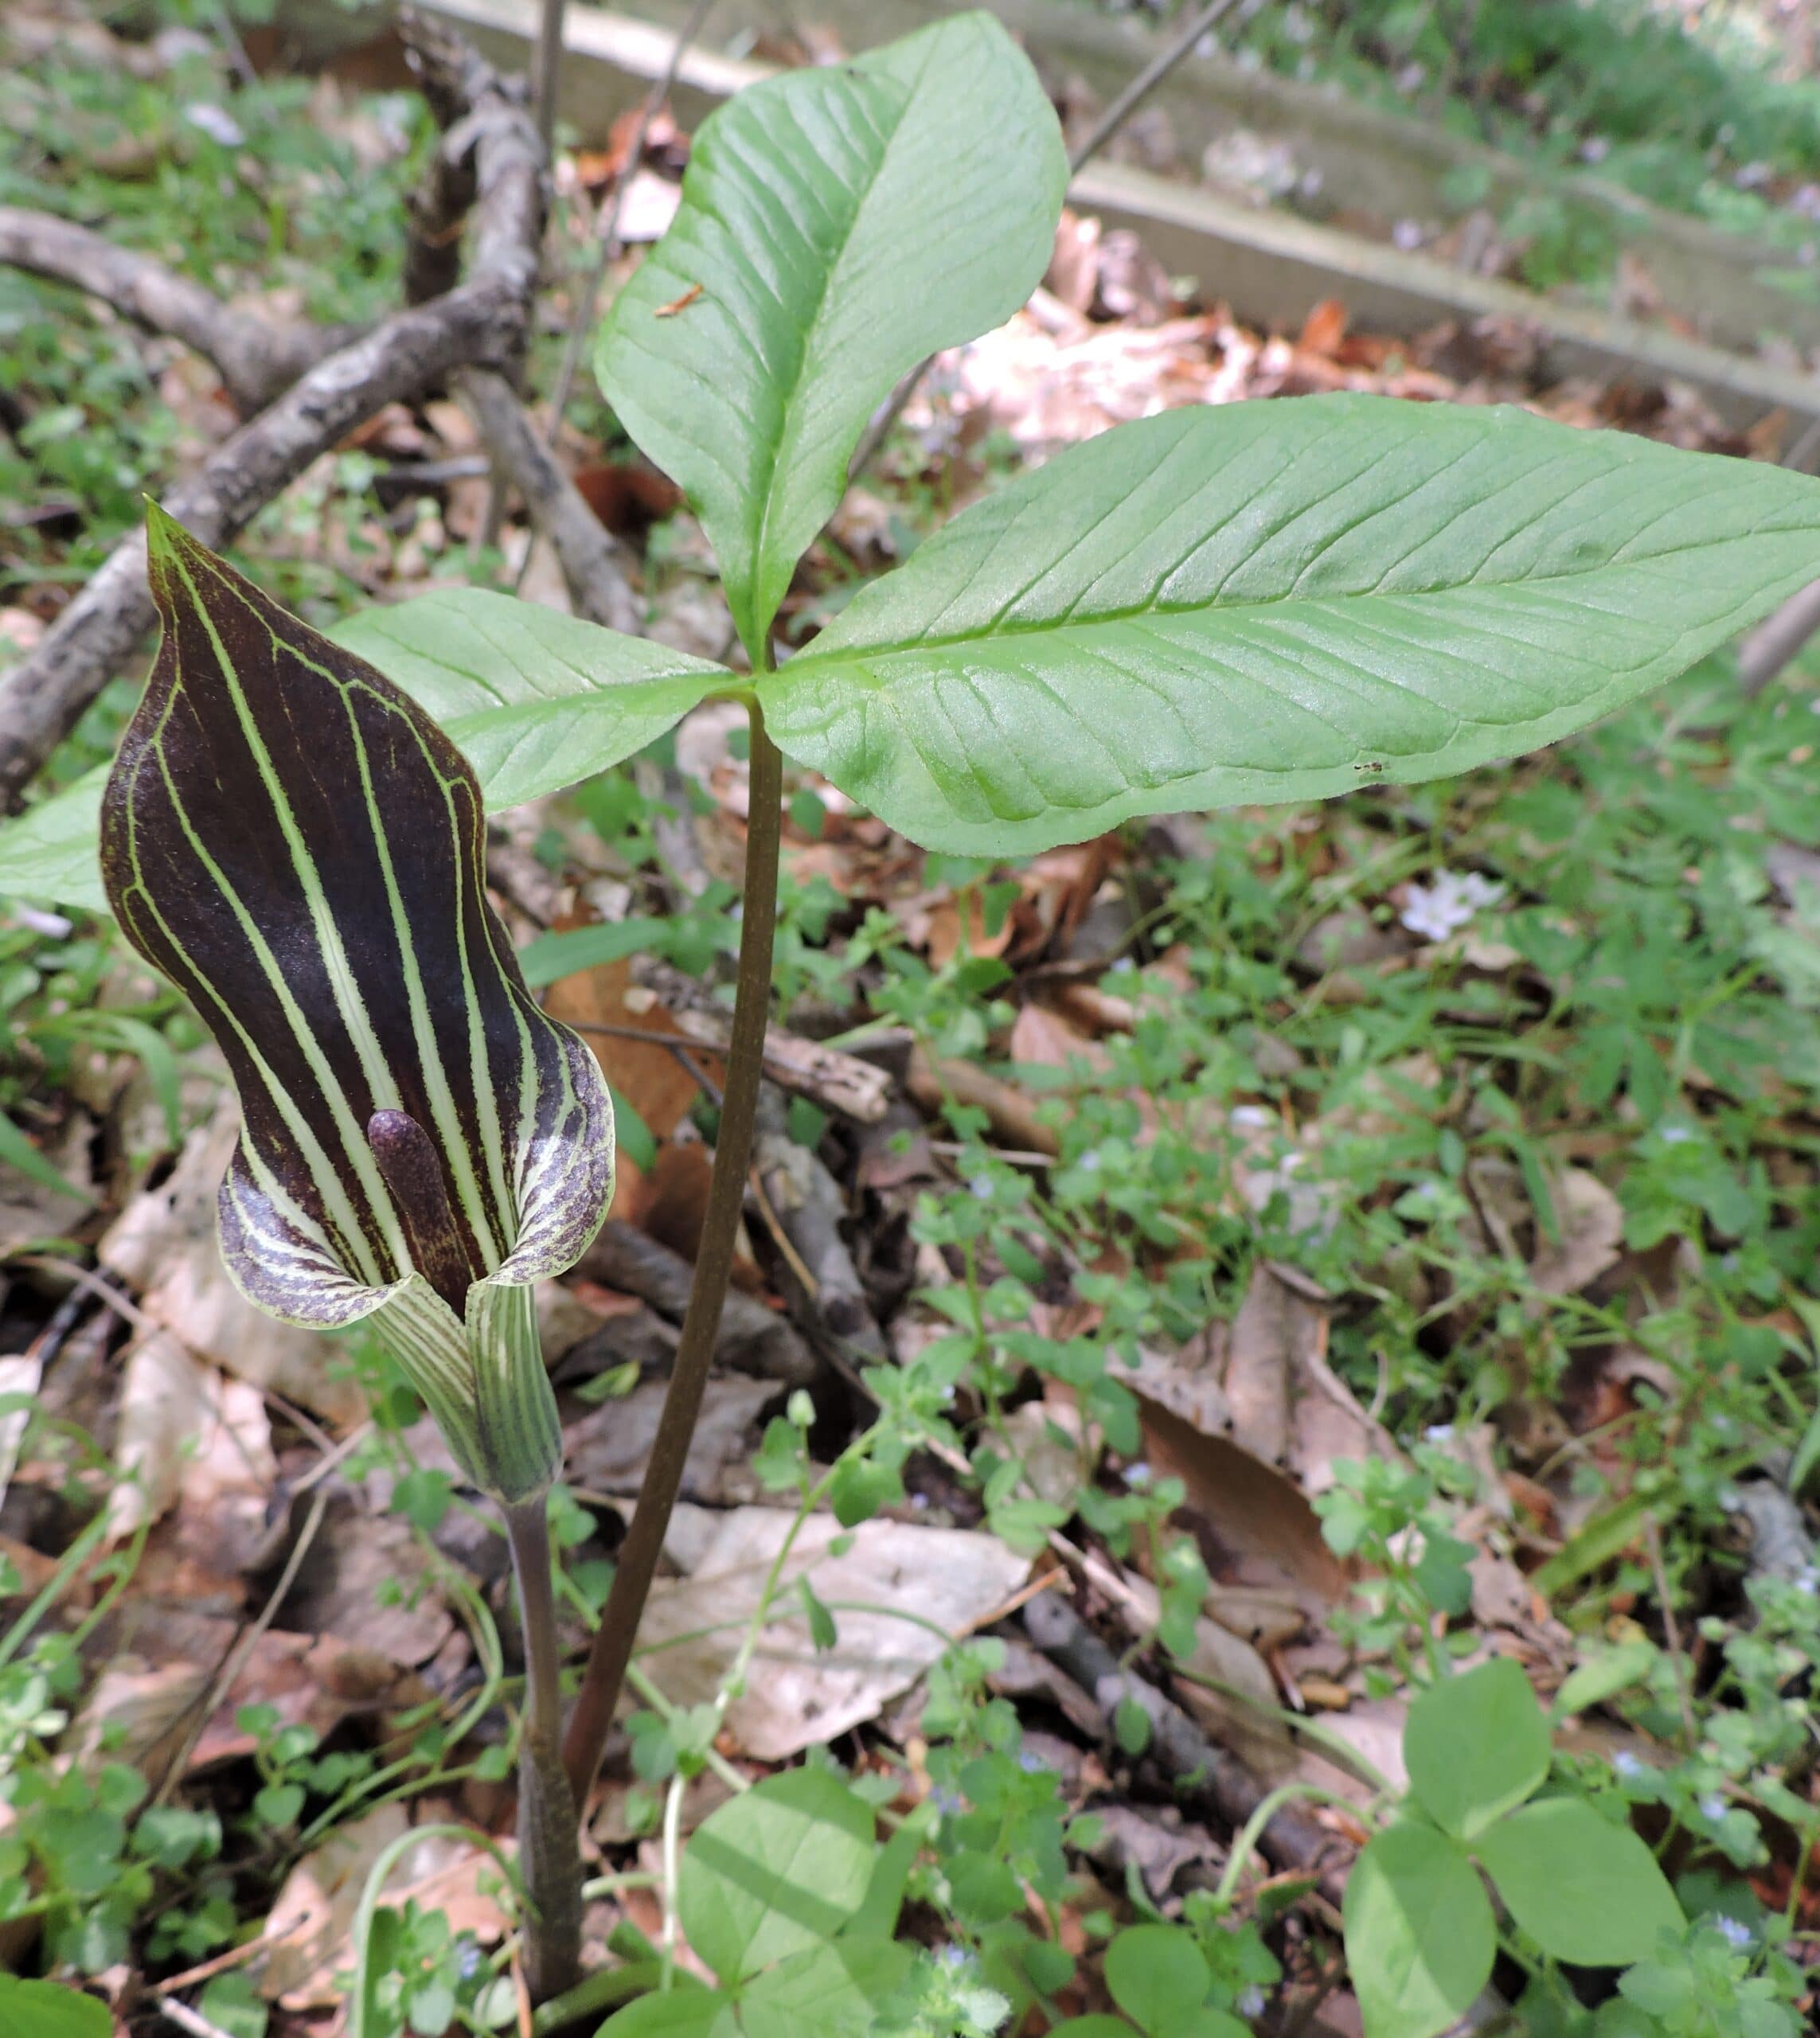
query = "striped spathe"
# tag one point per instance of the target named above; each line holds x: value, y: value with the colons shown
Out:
x: 294, y: 843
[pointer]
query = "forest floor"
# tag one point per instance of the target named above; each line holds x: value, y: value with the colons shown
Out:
x: 1351, y: 1232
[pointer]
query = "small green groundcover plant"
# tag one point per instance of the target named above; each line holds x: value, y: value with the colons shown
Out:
x: 1216, y: 605
x: 42, y: 2010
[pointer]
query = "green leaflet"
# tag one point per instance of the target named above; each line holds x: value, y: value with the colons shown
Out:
x: 837, y: 225
x: 1279, y: 601
x: 506, y: 679
x: 534, y: 700
x: 297, y: 846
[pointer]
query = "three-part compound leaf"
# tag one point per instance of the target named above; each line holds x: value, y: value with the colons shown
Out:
x: 837, y: 225
x: 1279, y: 601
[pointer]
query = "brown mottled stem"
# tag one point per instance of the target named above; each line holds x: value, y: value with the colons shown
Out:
x: 549, y: 1851
x: 592, y: 1719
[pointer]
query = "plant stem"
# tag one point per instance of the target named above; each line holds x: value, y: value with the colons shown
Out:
x: 592, y: 1719
x: 549, y: 1851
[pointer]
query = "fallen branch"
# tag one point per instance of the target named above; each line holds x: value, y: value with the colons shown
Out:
x: 1292, y: 1839
x: 483, y: 320
x: 585, y: 550
x: 842, y: 1082
x: 809, y: 1209
x: 1776, y: 642
x: 258, y: 360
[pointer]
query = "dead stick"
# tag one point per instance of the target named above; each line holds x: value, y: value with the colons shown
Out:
x: 257, y: 360
x: 1292, y: 1839
x: 607, y: 233
x: 585, y: 550
x: 1777, y: 641
x: 1109, y: 123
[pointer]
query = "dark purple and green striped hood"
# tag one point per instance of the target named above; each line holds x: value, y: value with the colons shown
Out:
x: 294, y: 842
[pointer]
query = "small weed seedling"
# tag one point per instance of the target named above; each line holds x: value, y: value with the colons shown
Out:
x: 1214, y: 607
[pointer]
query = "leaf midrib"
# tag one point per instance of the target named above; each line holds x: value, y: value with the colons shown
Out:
x: 813, y: 327
x: 904, y: 647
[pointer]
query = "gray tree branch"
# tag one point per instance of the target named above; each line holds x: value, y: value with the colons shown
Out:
x: 480, y: 320
x: 258, y: 360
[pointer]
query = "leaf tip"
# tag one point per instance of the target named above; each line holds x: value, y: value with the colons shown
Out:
x: 167, y: 541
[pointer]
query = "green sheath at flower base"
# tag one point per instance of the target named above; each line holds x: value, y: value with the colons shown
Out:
x: 294, y: 843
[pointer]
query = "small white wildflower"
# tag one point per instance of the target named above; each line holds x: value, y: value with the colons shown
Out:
x: 1089, y: 1161
x: 1441, y: 908
x: 1251, y: 2002
x: 217, y: 122
x: 1627, y: 1765
x: 1712, y: 1808
x: 1807, y: 1580
x: 1138, y: 1475
x: 1439, y: 1433
x: 980, y: 1188
x: 1735, y: 1932
x: 1675, y: 1135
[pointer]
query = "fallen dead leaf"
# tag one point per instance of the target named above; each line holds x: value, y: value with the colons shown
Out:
x: 794, y: 1697
x: 608, y: 1447
x: 187, y: 1431
x: 367, y: 1580
x: 165, y: 1243
x: 1591, y: 1224
x: 306, y: 1935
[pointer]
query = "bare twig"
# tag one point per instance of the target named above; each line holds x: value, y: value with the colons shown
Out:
x: 546, y: 67
x: 1108, y: 125
x: 585, y: 548
x: 186, y: 2018
x: 258, y: 360
x: 606, y: 232
x: 1292, y: 1839
x: 1146, y: 81
x: 842, y: 1082
x: 1778, y: 640
x: 481, y: 320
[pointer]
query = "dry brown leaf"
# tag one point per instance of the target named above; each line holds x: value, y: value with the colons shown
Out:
x: 1591, y: 1222
x: 608, y: 1447
x: 367, y: 1580
x: 1041, y: 1038
x: 165, y: 1243
x: 1260, y: 1523
x: 650, y: 1078
x: 187, y: 1431
x: 795, y: 1697
x: 307, y: 1936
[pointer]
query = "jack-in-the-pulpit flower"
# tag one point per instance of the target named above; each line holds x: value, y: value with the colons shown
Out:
x: 294, y: 842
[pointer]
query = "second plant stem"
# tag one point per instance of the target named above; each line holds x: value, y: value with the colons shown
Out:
x: 592, y: 1719
x: 550, y: 1849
